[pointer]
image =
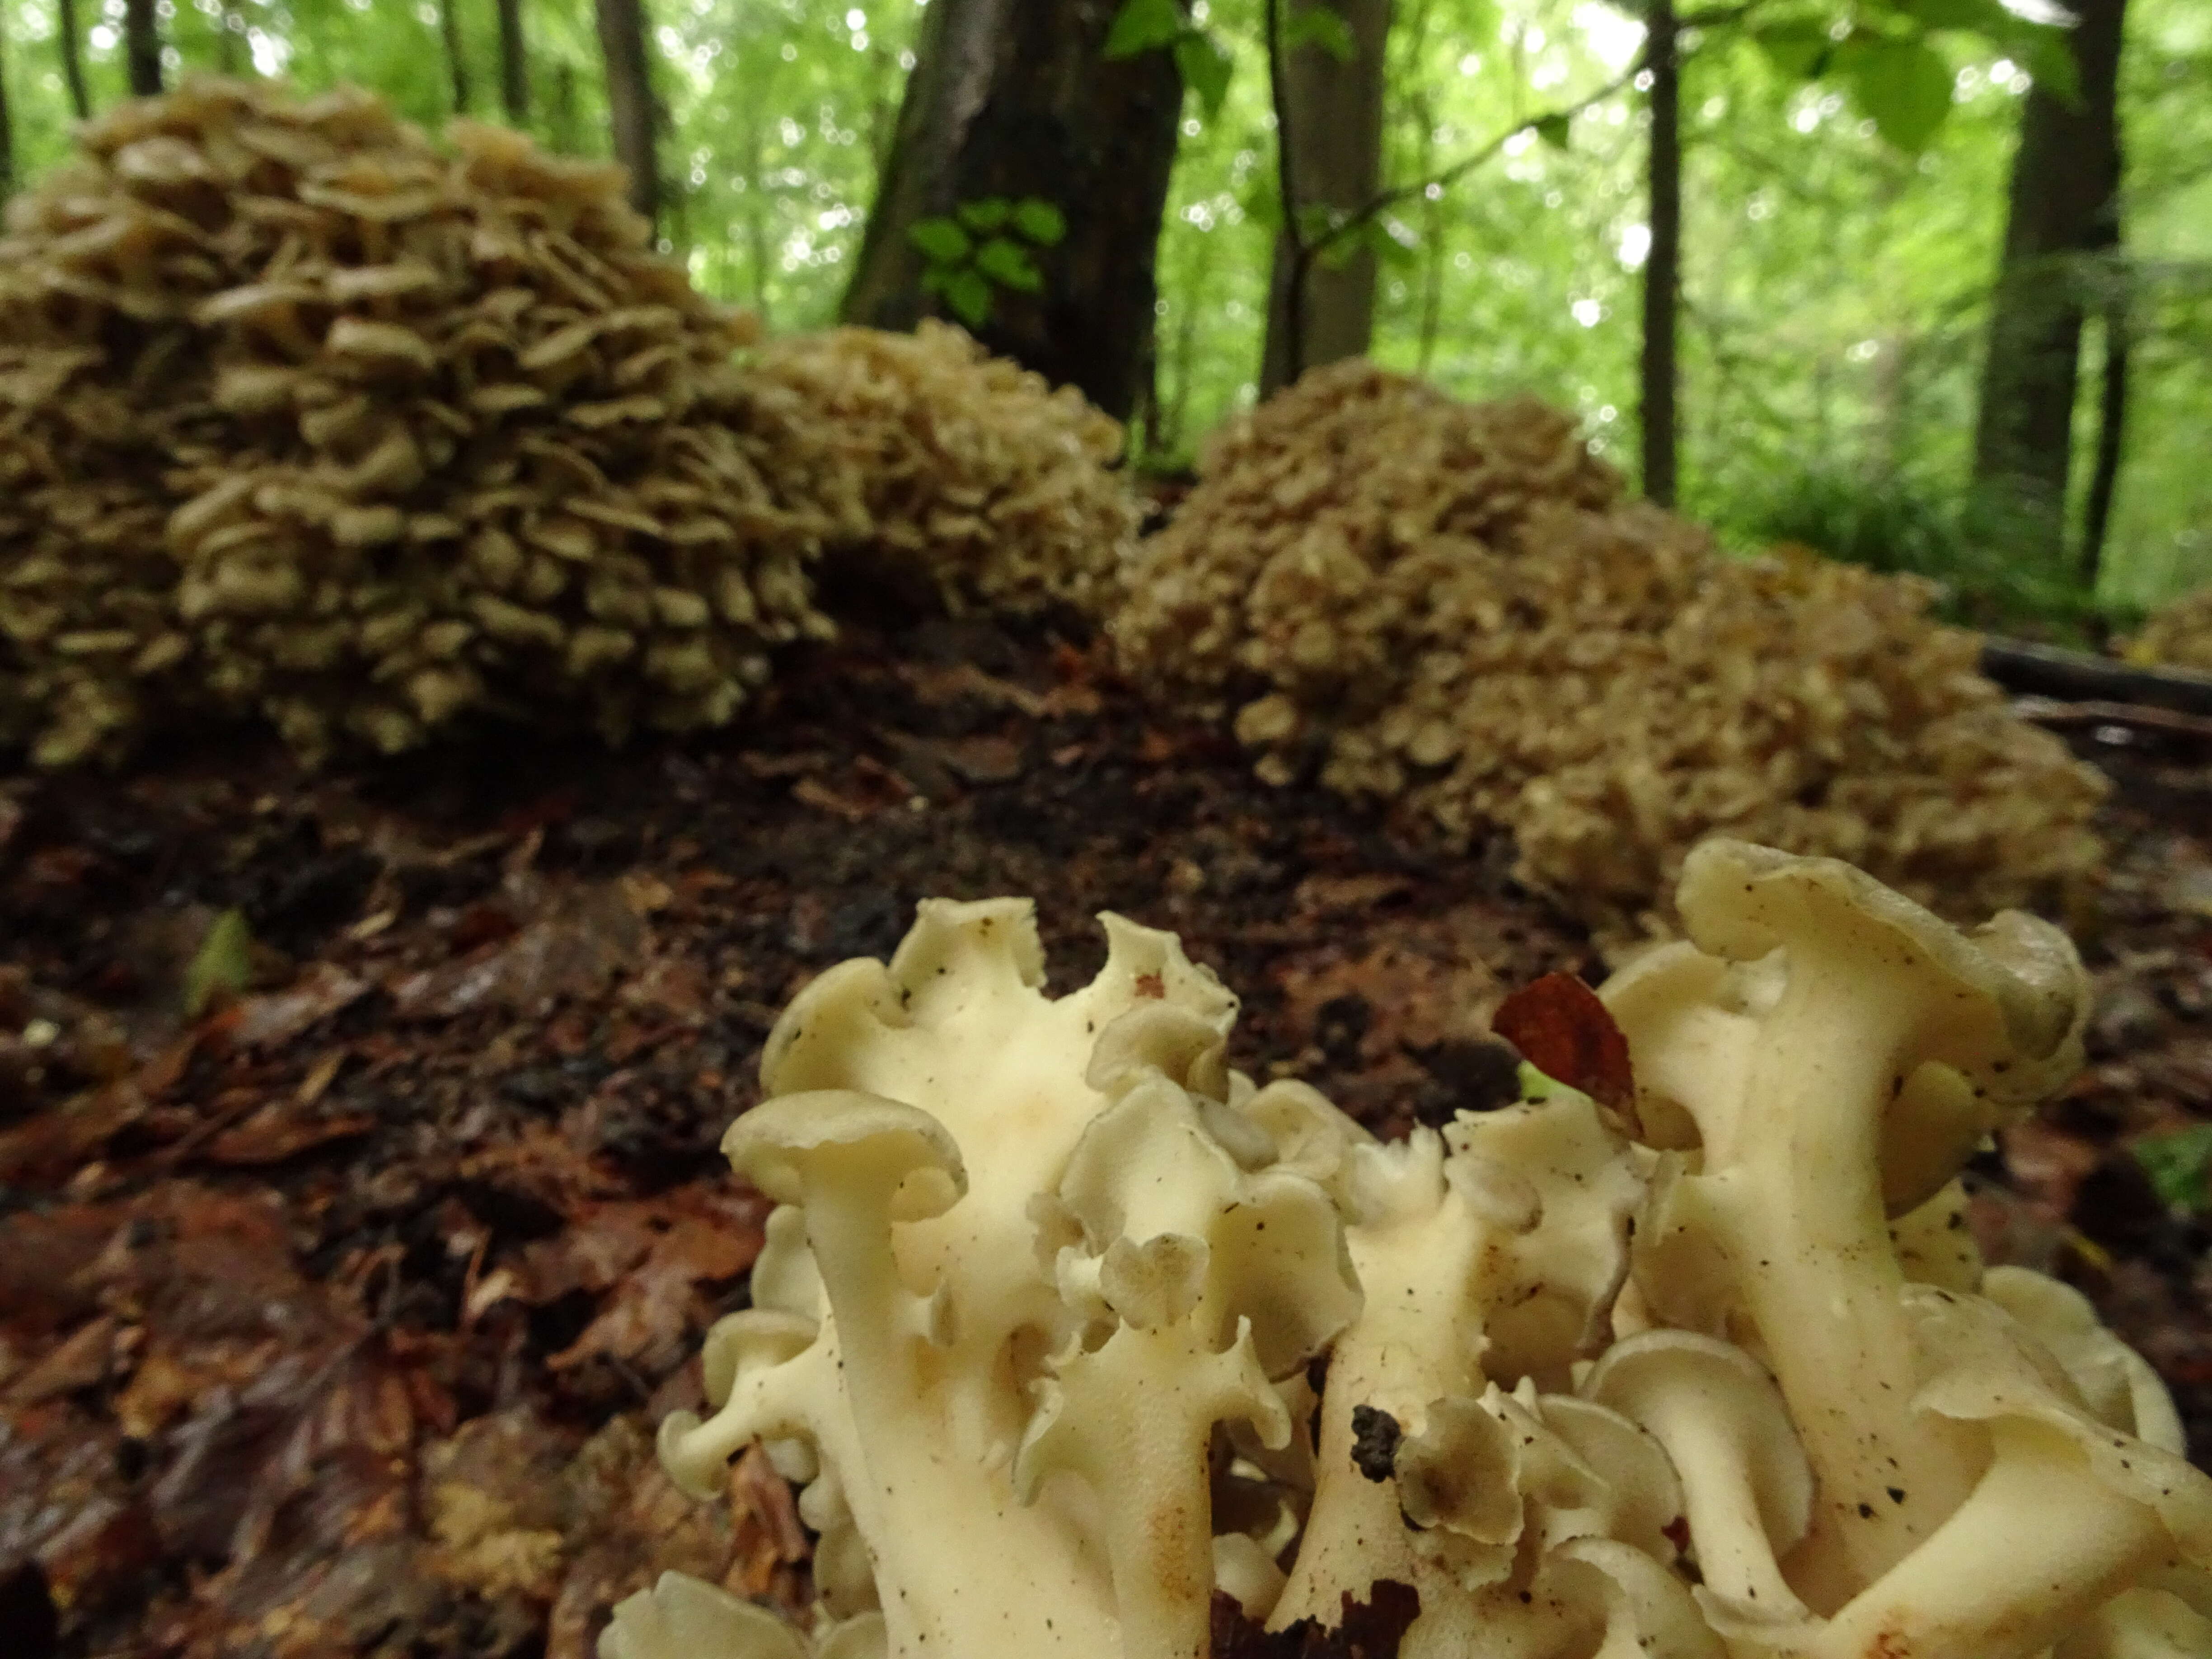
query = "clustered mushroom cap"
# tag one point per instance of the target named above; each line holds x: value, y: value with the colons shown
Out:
x: 2177, y: 635
x: 1451, y: 604
x: 936, y: 458
x: 1067, y: 1328
x: 304, y: 415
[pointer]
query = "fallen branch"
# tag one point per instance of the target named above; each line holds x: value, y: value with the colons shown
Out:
x: 2076, y: 676
x: 2135, y: 716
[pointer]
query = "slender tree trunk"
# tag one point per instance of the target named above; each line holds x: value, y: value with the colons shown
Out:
x: 142, y: 47
x: 71, y: 35
x: 7, y: 119
x: 629, y: 99
x: 2112, y: 422
x: 456, y: 61
x: 1662, y: 265
x: 1016, y: 99
x: 514, y: 65
x: 230, y: 39
x: 1332, y: 114
x: 2064, y: 204
x: 757, y: 250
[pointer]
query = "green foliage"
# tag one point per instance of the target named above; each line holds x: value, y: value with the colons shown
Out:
x: 982, y: 246
x: 1317, y: 25
x: 1203, y: 61
x: 2179, y: 1166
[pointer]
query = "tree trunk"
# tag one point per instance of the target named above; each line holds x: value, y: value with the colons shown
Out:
x: 1662, y: 265
x: 141, y: 48
x: 1016, y: 99
x: 1331, y: 112
x: 629, y: 99
x: 230, y: 41
x: 514, y: 65
x: 70, y: 35
x: 2112, y: 422
x: 457, y: 62
x: 7, y: 119
x: 2063, y: 203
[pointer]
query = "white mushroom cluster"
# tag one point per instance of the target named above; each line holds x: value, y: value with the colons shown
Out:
x: 1075, y: 1338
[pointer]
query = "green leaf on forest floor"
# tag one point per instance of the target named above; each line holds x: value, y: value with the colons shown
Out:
x: 1905, y: 85
x: 2181, y: 1166
x: 1317, y: 25
x: 1207, y: 67
x: 1143, y: 25
x: 223, y: 966
x: 942, y: 241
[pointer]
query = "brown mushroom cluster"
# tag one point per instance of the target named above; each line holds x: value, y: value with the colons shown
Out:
x: 314, y: 418
x: 932, y: 456
x: 1453, y: 605
x: 2178, y: 635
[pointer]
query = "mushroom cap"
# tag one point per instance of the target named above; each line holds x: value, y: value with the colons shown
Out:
x: 780, y: 1143
x: 681, y: 1617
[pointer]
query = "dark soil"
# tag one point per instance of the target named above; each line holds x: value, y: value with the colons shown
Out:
x: 334, y: 1318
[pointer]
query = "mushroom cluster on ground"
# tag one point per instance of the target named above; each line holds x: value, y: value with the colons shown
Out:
x: 1080, y: 1343
x: 2177, y: 635
x: 940, y: 461
x: 303, y: 415
x: 1451, y: 604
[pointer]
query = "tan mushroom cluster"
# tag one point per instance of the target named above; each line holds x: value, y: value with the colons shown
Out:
x: 1453, y: 604
x: 374, y: 433
x: 928, y: 451
x: 2178, y: 635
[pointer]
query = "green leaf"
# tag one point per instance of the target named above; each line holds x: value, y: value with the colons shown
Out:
x: 1207, y: 66
x: 985, y: 214
x: 1986, y: 17
x: 967, y: 291
x: 2181, y: 1166
x: 1040, y: 220
x: 223, y: 966
x: 940, y: 239
x: 1556, y: 130
x: 1905, y: 85
x: 1317, y: 25
x: 1142, y: 24
x: 1008, y: 265
x: 1798, y: 50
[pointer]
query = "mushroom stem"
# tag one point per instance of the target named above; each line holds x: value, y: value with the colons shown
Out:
x: 2034, y: 1549
x: 1803, y: 1183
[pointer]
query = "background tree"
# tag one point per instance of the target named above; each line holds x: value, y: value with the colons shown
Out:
x: 1016, y: 100
x: 514, y: 65
x: 630, y: 107
x: 456, y: 61
x: 1663, y: 263
x: 1326, y: 63
x: 2064, y: 212
x: 142, y: 43
x: 7, y: 117
x: 70, y: 37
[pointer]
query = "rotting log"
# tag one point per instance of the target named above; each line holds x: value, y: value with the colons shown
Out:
x: 2047, y: 671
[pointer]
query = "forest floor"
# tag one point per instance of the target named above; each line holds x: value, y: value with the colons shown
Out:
x: 336, y: 1318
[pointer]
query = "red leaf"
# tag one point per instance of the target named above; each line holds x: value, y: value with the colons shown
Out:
x: 1563, y: 1030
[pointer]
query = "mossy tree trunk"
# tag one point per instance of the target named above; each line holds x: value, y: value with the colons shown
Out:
x: 1663, y: 264
x: 69, y: 32
x: 142, y: 47
x: 1016, y: 99
x: 2064, y: 212
x: 514, y: 63
x: 630, y: 106
x: 1330, y: 108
